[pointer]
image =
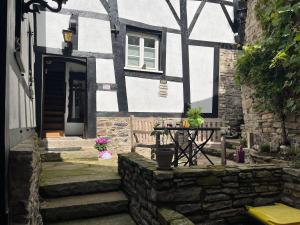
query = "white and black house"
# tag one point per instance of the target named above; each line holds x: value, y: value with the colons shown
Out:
x: 130, y: 57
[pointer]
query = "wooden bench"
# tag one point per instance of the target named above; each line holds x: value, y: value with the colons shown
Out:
x: 140, y: 132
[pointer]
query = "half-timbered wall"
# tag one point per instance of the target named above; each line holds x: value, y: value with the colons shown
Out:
x: 191, y: 34
x: 20, y: 82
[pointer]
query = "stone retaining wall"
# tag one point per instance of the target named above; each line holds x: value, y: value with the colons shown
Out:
x: 208, y: 195
x: 291, y: 188
x: 171, y: 217
x: 25, y: 166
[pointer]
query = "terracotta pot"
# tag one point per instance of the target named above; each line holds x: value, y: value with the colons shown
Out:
x: 164, y: 156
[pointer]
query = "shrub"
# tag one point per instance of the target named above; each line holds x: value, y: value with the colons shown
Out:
x: 265, y: 148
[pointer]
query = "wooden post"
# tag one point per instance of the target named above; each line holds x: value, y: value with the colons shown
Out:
x: 250, y: 140
x: 223, y: 150
x: 190, y: 153
x: 131, y: 134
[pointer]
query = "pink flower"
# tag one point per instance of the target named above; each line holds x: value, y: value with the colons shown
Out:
x: 101, y: 140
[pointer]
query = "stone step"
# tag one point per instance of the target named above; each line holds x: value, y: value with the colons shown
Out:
x: 72, y: 178
x: 217, y: 151
x: 65, y: 154
x: 117, y: 219
x: 83, y: 206
x: 79, y: 185
x: 232, y: 143
x: 66, y: 142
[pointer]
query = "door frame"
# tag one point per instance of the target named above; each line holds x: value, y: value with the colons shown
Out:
x: 90, y: 126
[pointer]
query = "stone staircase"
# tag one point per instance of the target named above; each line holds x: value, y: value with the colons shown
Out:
x: 78, y: 192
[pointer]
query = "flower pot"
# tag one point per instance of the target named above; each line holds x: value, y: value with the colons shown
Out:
x: 164, y: 156
x: 105, y: 155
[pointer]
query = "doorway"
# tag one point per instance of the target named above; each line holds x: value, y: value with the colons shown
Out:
x: 64, y: 105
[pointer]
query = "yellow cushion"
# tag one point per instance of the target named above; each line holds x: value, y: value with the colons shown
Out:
x: 278, y: 214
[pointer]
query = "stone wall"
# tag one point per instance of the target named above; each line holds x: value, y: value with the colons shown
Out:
x: 24, y: 171
x: 265, y: 127
x: 230, y: 101
x: 291, y: 188
x: 118, y: 128
x: 205, y: 195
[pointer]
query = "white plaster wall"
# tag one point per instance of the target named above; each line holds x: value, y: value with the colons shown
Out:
x: 94, y: 35
x: 153, y: 12
x: 143, y: 96
x: 105, y: 72
x: 84, y: 5
x: 173, y: 55
x: 49, y: 28
x: 201, y: 77
x: 212, y: 24
x: 22, y: 106
x: 72, y: 129
x: 107, y: 101
x: 13, y: 99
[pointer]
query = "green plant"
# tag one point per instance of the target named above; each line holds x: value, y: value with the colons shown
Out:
x: 195, y: 117
x: 271, y: 67
x: 265, y: 148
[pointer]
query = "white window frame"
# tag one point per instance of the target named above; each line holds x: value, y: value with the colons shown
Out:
x: 142, y: 37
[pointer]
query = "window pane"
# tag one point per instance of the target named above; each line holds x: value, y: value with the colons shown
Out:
x: 133, y: 50
x: 149, y: 53
x: 150, y: 63
x: 133, y: 61
x: 132, y: 40
x: 150, y: 43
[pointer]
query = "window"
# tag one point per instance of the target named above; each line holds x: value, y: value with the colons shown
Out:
x: 142, y: 51
x: 76, y: 97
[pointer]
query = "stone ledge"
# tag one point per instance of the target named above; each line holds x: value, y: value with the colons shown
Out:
x: 171, y: 217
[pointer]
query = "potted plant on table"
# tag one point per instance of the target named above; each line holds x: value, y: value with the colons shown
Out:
x: 195, y: 118
x: 164, y: 152
x: 101, y: 146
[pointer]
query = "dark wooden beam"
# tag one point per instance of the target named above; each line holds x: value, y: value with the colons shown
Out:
x: 196, y: 16
x: 185, y: 55
x: 105, y: 5
x: 227, y: 16
x: 118, y: 37
x: 4, y: 113
x: 174, y: 12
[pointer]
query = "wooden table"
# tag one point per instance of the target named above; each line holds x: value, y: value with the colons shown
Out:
x: 190, y: 151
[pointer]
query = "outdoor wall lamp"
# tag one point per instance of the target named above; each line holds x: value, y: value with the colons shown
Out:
x: 27, y: 5
x: 68, y: 36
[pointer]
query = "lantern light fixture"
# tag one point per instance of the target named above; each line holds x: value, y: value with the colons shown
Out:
x: 30, y: 5
x: 68, y: 35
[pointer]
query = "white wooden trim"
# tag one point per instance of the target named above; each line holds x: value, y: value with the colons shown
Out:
x: 142, y: 37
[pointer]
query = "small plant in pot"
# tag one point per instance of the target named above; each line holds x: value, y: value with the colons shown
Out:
x: 195, y: 118
x: 101, y: 146
x: 164, y: 152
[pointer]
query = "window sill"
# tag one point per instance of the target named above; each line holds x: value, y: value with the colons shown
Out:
x: 143, y: 70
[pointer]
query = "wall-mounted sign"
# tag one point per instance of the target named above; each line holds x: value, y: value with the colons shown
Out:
x: 163, y: 89
x: 106, y: 87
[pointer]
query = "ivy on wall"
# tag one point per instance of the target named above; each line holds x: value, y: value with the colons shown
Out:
x: 271, y: 67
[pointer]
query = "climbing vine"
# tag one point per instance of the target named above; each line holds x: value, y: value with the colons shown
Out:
x: 271, y: 67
